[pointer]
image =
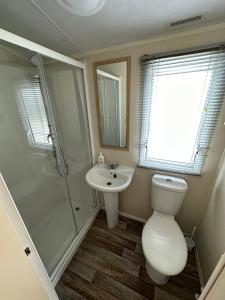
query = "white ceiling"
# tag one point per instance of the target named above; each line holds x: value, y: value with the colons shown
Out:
x: 120, y: 21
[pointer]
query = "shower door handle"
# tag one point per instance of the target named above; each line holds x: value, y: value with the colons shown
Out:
x: 58, y: 166
x: 64, y: 161
x: 55, y: 153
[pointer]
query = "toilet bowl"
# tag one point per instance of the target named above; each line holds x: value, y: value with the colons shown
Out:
x: 163, y: 242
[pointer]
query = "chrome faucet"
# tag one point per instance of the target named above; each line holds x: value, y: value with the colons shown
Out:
x: 112, y: 166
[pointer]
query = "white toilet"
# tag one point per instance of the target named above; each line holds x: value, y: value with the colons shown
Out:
x: 163, y: 242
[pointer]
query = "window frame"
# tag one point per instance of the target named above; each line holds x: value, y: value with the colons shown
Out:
x: 195, y: 168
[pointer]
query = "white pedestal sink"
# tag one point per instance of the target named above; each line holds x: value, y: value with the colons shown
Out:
x: 110, y: 182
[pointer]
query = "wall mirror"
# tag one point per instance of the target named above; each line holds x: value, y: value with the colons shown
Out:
x: 112, y: 89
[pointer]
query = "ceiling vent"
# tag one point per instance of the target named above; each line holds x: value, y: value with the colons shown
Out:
x: 194, y: 19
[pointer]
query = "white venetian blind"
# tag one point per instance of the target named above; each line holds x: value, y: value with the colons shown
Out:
x: 33, y: 112
x: 181, y: 97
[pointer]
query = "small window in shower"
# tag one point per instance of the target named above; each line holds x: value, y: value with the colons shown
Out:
x: 32, y: 110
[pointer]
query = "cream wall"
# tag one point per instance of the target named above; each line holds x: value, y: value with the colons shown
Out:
x: 210, y: 234
x: 218, y: 291
x: 18, y: 281
x: 136, y: 199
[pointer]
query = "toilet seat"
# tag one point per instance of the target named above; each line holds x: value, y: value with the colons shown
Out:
x: 164, y: 245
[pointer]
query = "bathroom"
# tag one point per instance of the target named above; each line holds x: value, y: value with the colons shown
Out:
x: 67, y: 235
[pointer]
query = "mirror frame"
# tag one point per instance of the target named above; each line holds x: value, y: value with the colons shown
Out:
x: 126, y: 59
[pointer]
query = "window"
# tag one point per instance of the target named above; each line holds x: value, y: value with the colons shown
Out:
x: 33, y: 112
x: 181, y: 99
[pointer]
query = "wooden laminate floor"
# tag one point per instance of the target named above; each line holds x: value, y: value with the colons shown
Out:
x: 109, y: 265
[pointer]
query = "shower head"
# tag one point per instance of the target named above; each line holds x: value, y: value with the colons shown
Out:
x: 35, y: 60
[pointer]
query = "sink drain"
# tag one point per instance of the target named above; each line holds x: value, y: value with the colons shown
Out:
x: 109, y: 183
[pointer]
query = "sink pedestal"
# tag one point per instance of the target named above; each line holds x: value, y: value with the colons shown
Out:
x: 111, y: 207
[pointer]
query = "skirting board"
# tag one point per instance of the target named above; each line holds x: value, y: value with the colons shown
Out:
x: 199, y: 267
x: 132, y: 217
x: 73, y: 248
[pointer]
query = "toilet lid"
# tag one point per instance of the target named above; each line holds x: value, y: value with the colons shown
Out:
x: 164, y: 245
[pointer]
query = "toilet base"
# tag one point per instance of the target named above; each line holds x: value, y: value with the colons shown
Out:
x: 157, y: 277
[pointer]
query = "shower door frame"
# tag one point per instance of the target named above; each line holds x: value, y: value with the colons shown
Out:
x: 6, y: 200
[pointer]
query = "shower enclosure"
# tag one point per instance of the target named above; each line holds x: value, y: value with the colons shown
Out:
x: 45, y: 150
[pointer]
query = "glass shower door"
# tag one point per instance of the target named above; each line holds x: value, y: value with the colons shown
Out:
x: 66, y: 89
x: 29, y: 163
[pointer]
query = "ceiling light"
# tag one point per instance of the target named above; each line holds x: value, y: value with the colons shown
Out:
x: 82, y: 7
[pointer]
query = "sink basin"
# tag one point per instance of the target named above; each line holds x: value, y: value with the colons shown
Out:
x: 110, y: 182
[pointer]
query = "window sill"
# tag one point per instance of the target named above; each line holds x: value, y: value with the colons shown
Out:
x: 167, y: 171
